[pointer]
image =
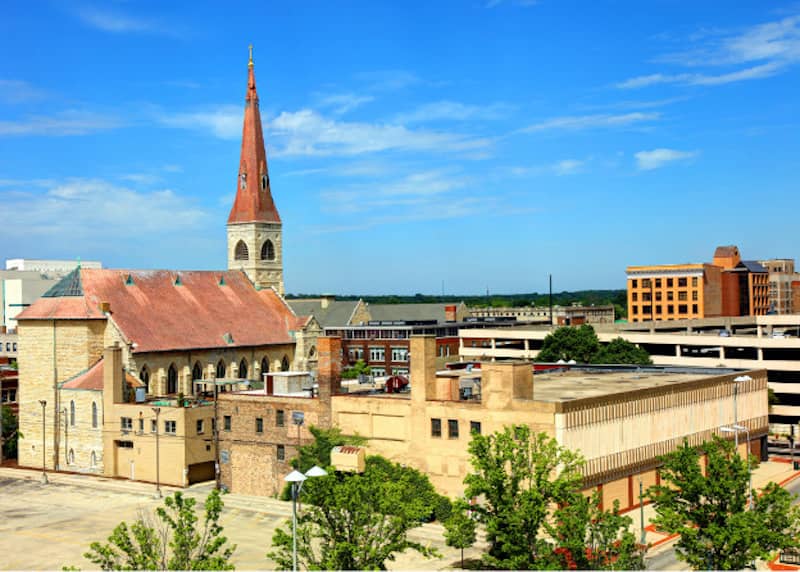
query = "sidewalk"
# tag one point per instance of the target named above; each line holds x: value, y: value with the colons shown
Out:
x: 778, y: 471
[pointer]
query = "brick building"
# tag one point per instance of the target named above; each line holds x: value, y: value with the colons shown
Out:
x: 781, y: 292
x: 729, y: 286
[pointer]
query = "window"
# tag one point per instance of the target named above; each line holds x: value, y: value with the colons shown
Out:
x: 72, y: 413
x: 694, y: 295
x: 399, y: 354
x: 658, y: 282
x: 220, y: 369
x: 682, y: 282
x: 694, y: 281
x: 635, y: 309
x: 172, y: 379
x: 200, y: 427
x: 268, y: 251
x: 452, y: 428
x: 94, y: 415
x: 670, y: 296
x: 694, y: 309
x: 646, y: 297
x: 126, y: 423
x: 226, y: 422
x: 170, y: 427
x: 647, y: 309
x: 377, y: 354
x: 377, y: 371
x: 144, y: 375
x: 241, y: 253
x: 243, y: 369
x: 141, y: 425
x: 285, y: 363
x: 646, y: 283
x: 264, y: 365
x: 197, y: 371
x: 264, y: 182
x: 475, y: 427
x: 355, y: 354
x: 669, y: 282
x: 125, y: 444
x: 658, y: 308
x: 93, y: 459
x: 71, y: 457
x: 658, y: 296
x: 683, y: 309
x: 153, y: 426
x: 436, y: 427
x: 280, y: 453
x: 682, y: 296
x: 670, y: 309
x: 634, y: 283
x: 635, y: 297
x: 259, y: 424
x: 279, y: 418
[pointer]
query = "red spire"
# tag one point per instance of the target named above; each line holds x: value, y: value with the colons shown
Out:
x: 253, y: 201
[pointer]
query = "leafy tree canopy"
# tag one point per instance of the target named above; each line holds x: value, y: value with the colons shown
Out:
x: 622, y: 352
x: 710, y: 514
x: 460, y: 529
x: 534, y: 512
x: 172, y: 541
x: 359, y: 368
x: 10, y: 432
x: 582, y: 345
x: 356, y: 521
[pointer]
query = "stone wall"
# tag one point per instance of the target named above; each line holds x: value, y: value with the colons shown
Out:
x: 262, y: 273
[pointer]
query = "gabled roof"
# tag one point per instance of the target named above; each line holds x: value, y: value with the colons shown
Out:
x: 92, y: 379
x: 753, y: 266
x: 337, y: 313
x: 160, y: 310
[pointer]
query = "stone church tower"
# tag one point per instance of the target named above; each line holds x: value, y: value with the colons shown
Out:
x: 254, y: 226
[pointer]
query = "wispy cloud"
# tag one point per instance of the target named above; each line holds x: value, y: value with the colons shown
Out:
x: 306, y: 132
x: 657, y: 158
x: 18, y: 91
x: 341, y: 103
x: 594, y: 121
x: 759, y: 52
x: 223, y: 121
x: 103, y: 217
x: 65, y: 123
x: 558, y: 168
x: 388, y: 80
x: 116, y: 22
x: 453, y: 111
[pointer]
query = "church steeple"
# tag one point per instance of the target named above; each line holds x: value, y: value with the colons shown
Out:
x: 254, y: 226
x: 253, y: 201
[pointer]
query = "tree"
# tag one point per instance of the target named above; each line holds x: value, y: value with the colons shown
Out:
x: 460, y: 529
x: 318, y: 452
x: 534, y: 513
x: 173, y: 542
x: 622, y: 351
x: 10, y: 432
x: 709, y: 511
x: 359, y: 368
x: 353, y: 521
x: 570, y: 343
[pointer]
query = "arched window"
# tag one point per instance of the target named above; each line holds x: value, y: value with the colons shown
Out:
x: 94, y: 414
x: 72, y: 413
x: 268, y: 251
x: 264, y: 365
x: 220, y: 369
x: 241, y: 251
x: 93, y: 459
x: 197, y: 371
x: 144, y: 375
x: 71, y: 457
x: 264, y: 181
x: 172, y: 379
x: 243, y: 369
x: 312, y: 352
x: 285, y: 364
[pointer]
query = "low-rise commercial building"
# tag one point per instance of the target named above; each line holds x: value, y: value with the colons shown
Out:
x: 562, y: 315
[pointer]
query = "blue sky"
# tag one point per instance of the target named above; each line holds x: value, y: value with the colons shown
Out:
x: 479, y: 143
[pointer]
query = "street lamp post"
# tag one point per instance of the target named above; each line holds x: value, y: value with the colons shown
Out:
x: 736, y: 382
x: 157, y: 411
x: 296, y: 478
x: 43, y: 403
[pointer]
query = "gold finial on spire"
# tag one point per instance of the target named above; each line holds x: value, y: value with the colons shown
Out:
x: 250, y: 63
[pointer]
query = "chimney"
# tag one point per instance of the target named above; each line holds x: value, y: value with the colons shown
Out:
x: 329, y: 374
x: 105, y: 307
x: 326, y: 300
x: 113, y: 378
x: 450, y: 313
x: 422, y: 358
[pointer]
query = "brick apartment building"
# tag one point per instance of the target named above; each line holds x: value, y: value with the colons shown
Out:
x: 729, y: 286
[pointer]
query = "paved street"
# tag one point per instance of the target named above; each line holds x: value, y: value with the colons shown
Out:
x: 49, y: 526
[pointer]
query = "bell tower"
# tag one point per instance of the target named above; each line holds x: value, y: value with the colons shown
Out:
x: 254, y: 227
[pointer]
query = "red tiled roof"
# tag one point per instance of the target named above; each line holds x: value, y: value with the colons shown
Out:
x: 253, y: 202
x: 92, y: 378
x: 158, y: 315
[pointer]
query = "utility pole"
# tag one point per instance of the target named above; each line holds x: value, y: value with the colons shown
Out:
x: 551, y: 300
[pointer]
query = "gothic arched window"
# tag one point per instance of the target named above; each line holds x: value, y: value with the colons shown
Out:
x: 241, y: 252
x: 94, y: 414
x: 72, y: 413
x: 197, y: 371
x: 172, y: 379
x: 220, y: 369
x: 243, y: 369
x: 285, y: 364
x: 268, y: 251
x: 264, y: 365
x: 144, y: 375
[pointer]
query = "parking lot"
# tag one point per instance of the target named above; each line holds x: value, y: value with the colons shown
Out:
x: 45, y: 527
